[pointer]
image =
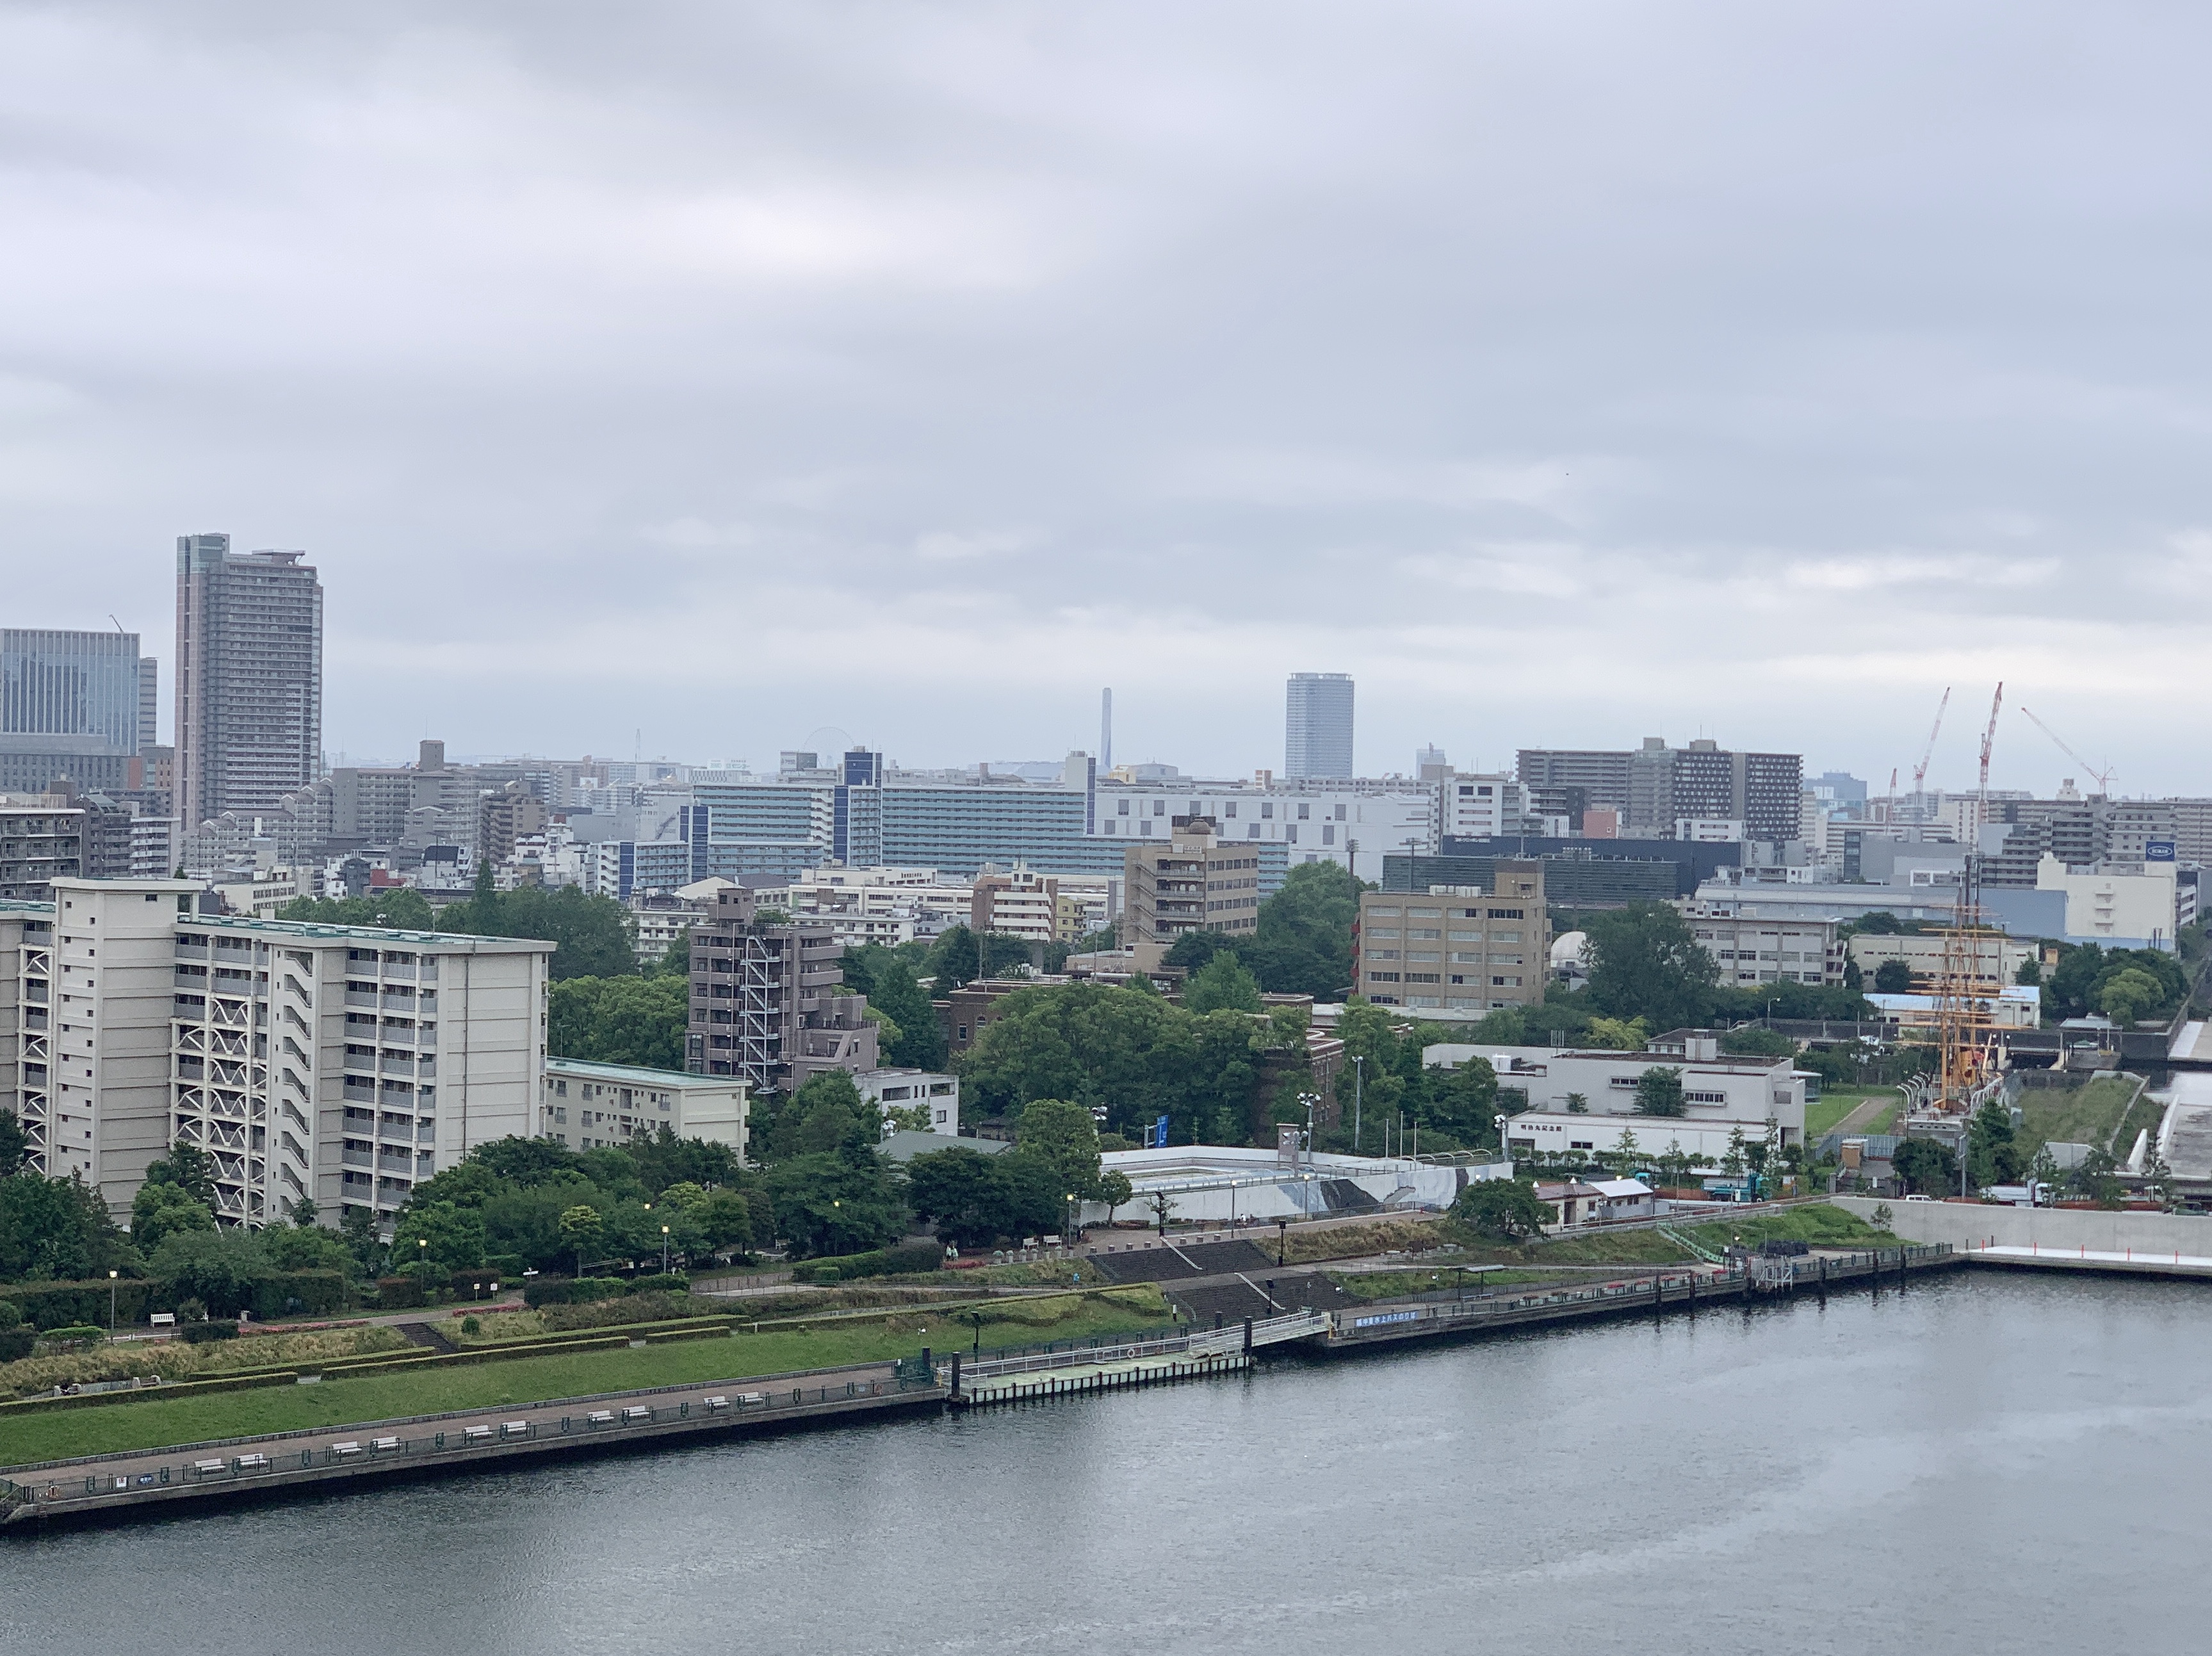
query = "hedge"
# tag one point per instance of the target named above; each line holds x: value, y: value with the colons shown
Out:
x: 142, y: 1394
x: 394, y: 1292
x: 62, y: 1305
x: 907, y: 1258
x: 561, y: 1291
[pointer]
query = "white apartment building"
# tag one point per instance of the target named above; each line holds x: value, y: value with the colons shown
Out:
x: 1717, y: 1088
x: 1483, y: 806
x: 342, y: 1063
x: 1016, y: 902
x: 594, y: 1106
x: 901, y: 1089
x: 1750, y: 952
x: 1312, y: 821
x: 881, y: 905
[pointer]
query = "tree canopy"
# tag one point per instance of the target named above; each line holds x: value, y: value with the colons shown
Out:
x: 594, y: 933
x: 1644, y: 962
x: 624, y: 1020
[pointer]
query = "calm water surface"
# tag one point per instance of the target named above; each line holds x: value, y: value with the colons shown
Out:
x: 1983, y: 1464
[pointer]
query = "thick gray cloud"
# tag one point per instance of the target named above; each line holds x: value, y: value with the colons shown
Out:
x: 1569, y: 373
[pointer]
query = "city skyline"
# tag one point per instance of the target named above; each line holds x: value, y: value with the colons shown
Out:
x: 1523, y: 408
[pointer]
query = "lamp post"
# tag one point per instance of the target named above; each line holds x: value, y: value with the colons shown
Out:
x: 423, y: 1267
x: 1282, y: 1239
x: 664, y: 1250
x: 111, y: 1303
x: 1359, y: 1079
x: 1070, y: 1227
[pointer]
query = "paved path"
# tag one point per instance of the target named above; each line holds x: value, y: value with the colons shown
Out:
x: 1862, y: 1113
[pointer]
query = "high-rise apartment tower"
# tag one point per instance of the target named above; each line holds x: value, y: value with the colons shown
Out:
x: 249, y: 677
x: 1317, y: 726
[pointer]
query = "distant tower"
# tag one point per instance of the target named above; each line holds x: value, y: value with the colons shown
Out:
x: 1317, y: 726
x: 1106, y: 729
x: 248, y: 677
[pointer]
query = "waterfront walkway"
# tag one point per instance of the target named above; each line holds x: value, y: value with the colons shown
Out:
x: 2131, y: 1260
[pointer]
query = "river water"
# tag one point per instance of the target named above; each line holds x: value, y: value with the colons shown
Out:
x: 1976, y: 1464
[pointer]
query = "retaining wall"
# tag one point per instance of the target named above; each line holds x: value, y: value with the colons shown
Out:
x: 2057, y: 1228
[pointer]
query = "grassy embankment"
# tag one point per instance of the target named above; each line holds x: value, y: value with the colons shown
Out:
x: 2097, y: 1113
x: 147, y: 1423
x: 1819, y: 1224
x: 1835, y: 1103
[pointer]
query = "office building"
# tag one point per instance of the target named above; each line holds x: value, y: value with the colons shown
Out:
x: 335, y: 1062
x: 912, y: 1089
x: 1191, y: 882
x: 589, y: 1106
x: 1753, y: 952
x: 1317, y: 726
x: 249, y: 677
x: 1654, y: 786
x: 766, y: 1000
x: 1461, y: 948
x: 72, y: 707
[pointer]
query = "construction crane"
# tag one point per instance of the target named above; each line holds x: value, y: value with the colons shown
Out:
x: 2101, y: 778
x: 1989, y: 736
x: 1920, y: 770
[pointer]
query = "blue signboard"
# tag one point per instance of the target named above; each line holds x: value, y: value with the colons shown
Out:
x: 1157, y: 1138
x: 2158, y: 850
x: 1386, y: 1317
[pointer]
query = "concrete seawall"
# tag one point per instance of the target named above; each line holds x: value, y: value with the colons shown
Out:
x: 2058, y: 1230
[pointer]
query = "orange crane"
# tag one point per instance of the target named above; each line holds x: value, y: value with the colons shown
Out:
x: 2102, y: 778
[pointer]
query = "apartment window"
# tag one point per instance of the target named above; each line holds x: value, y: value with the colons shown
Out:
x: 1159, y: 807
x: 1121, y: 808
x: 1291, y: 835
x: 1505, y: 915
x: 1253, y: 831
x: 1267, y: 813
x: 1229, y: 808
x: 1328, y: 836
x: 1304, y: 812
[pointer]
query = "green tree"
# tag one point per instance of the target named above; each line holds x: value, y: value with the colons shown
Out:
x: 1626, y: 1153
x: 1065, y: 1138
x: 594, y: 934
x: 1462, y: 1101
x: 961, y: 1192
x: 308, y: 1247
x: 1993, y: 1155
x: 161, y: 1211
x: 357, y: 1230
x: 187, y: 1167
x: 393, y: 908
x: 1752, y: 1042
x: 1221, y: 985
x: 1892, y: 977
x: 622, y: 1020
x: 897, y: 994
x: 455, y: 1235
x: 218, y: 1268
x: 2129, y: 995
x: 1659, y: 1092
x: 953, y: 960
x: 1618, y: 1035
x: 1927, y: 1168
x: 725, y: 1219
x: 1644, y: 962
x: 1504, y: 1209
x: 1301, y: 940
x: 13, y: 1143
x: 835, y: 1202
x: 581, y: 1229
x: 675, y: 961
x: 1194, y: 950
x: 57, y: 1228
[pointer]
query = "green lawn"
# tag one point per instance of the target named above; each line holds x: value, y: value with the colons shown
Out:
x: 1835, y: 1103
x: 148, y: 1424
x: 2087, y: 1114
x: 1399, y: 1284
x: 1815, y: 1222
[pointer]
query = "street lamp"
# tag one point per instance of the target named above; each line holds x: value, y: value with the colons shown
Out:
x: 423, y: 1267
x: 1358, y: 1077
x: 111, y: 1303
x: 1282, y: 1239
x: 664, y: 1250
x: 1073, y: 1230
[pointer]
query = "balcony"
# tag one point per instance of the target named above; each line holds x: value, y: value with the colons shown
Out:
x: 397, y: 1064
x: 360, y: 998
x: 397, y: 1000
x: 393, y: 1035
x: 400, y: 971
x: 354, y: 1158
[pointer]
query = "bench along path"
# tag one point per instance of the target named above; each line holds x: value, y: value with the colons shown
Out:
x: 453, y: 1441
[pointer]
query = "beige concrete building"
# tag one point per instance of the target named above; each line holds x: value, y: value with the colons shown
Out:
x: 592, y: 1106
x: 1994, y: 959
x: 1457, y: 948
x: 1017, y: 902
x: 1750, y: 952
x: 340, y: 1063
x: 1190, y: 882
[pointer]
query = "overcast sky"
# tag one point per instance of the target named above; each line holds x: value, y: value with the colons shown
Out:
x: 1567, y: 373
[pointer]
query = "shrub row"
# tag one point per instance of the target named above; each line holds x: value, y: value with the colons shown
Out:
x: 60, y: 1305
x: 179, y: 1389
x: 907, y: 1258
